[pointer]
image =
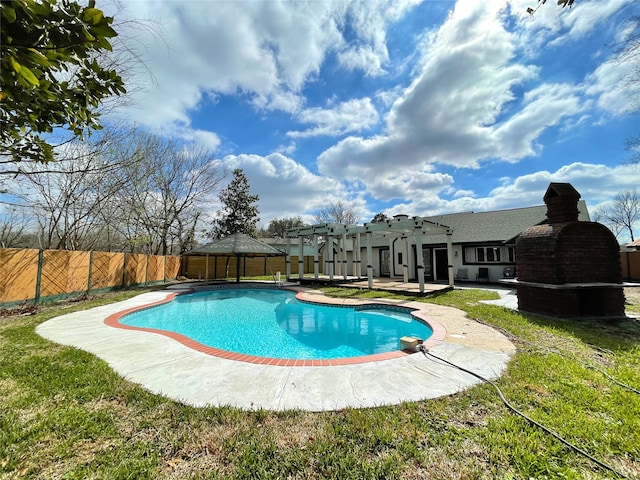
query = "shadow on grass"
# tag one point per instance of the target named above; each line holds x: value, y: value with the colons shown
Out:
x: 613, y: 334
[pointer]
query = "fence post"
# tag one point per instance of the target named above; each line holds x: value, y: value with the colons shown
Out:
x: 39, y: 275
x: 90, y: 271
x: 124, y: 270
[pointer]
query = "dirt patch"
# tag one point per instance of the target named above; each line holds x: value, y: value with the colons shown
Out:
x: 632, y: 296
x: 18, y: 311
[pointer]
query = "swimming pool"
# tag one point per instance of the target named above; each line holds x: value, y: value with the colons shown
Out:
x: 274, y: 324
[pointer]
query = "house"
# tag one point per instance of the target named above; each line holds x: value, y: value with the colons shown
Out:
x: 439, y: 246
x: 631, y: 246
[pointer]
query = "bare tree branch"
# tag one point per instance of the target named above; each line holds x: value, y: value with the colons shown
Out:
x: 623, y: 214
x: 339, y: 212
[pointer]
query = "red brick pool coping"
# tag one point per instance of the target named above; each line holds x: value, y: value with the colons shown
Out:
x: 438, y: 335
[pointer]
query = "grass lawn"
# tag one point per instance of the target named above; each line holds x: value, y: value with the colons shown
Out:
x: 65, y: 414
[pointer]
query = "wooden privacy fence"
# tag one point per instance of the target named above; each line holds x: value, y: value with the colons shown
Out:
x: 630, y: 262
x: 29, y: 275
x: 193, y: 266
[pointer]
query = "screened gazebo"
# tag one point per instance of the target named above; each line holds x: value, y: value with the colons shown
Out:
x: 237, y: 245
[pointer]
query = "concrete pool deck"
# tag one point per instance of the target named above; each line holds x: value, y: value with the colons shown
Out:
x: 170, y: 368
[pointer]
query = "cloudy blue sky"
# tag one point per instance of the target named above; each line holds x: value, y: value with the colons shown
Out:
x: 400, y: 107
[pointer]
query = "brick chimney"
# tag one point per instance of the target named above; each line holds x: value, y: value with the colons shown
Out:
x: 562, y: 203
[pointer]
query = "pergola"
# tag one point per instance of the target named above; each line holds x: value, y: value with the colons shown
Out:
x: 400, y: 226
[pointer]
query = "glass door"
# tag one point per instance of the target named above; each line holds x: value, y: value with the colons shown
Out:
x: 442, y: 265
x: 385, y: 265
x: 426, y: 258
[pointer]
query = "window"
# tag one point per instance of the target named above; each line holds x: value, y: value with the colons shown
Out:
x: 493, y: 254
x: 483, y: 254
x: 511, y: 252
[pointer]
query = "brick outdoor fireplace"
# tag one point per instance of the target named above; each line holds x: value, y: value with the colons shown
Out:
x: 568, y: 268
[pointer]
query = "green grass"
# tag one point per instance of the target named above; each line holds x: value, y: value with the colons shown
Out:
x: 65, y: 414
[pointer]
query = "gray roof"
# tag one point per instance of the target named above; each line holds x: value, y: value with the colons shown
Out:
x: 237, y: 244
x: 495, y: 226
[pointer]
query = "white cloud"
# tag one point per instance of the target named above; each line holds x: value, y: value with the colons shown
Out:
x: 389, y: 97
x: 287, y: 149
x: 543, y: 106
x: 409, y: 185
x: 464, y: 193
x: 461, y: 108
x: 365, y: 59
x: 473, y: 96
x: 207, y: 139
x: 552, y: 26
x: 285, y: 187
x: 610, y: 83
x: 279, y: 99
x: 368, y: 19
x: 596, y: 184
x: 452, y: 110
x: 266, y: 51
x: 351, y: 116
x: 553, y: 29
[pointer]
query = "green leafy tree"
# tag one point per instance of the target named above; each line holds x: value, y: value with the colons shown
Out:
x: 278, y: 227
x: 239, y: 212
x: 50, y: 74
x: 379, y: 218
x: 564, y: 3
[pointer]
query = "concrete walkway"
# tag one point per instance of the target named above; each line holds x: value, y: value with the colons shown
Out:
x: 508, y: 297
x: 166, y: 367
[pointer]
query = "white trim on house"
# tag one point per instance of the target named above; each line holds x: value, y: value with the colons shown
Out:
x: 347, y: 247
x: 448, y: 243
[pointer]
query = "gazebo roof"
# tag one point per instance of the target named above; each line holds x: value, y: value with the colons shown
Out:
x: 237, y: 244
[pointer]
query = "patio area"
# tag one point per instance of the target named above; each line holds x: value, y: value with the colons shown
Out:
x: 386, y: 284
x: 397, y: 285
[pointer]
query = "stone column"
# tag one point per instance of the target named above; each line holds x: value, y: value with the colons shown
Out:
x: 369, y: 261
x: 450, y: 257
x: 315, y: 256
x: 331, y: 260
x: 344, y: 256
x: 300, y: 257
x: 405, y: 259
x: 357, y: 255
x: 420, y: 258
x: 288, y: 260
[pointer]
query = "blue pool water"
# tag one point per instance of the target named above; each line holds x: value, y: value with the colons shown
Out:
x: 273, y: 323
